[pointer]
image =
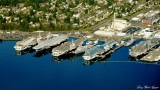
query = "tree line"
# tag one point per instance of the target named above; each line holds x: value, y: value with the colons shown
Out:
x: 14, y: 2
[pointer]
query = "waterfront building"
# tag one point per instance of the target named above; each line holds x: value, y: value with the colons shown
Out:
x: 117, y: 26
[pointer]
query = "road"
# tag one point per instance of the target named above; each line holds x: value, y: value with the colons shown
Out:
x: 97, y: 26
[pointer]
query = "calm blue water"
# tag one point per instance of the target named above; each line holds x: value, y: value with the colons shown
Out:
x: 41, y: 72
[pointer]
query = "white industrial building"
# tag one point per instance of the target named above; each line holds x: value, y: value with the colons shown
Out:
x: 117, y: 26
x: 157, y: 35
x: 120, y: 24
x: 146, y: 32
x: 136, y: 20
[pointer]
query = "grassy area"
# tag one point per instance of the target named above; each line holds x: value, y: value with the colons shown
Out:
x: 157, y: 7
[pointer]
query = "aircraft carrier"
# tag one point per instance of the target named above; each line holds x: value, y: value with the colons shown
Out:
x: 143, y: 47
x: 25, y: 44
x: 67, y: 47
x: 152, y: 56
x: 53, y: 41
x: 98, y: 50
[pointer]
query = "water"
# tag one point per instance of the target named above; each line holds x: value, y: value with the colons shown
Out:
x: 31, y: 72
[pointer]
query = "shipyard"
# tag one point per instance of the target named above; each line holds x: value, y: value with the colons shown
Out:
x: 114, y: 33
x: 120, y: 33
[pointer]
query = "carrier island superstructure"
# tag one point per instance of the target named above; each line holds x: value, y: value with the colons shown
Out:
x: 143, y: 47
x: 98, y: 50
x: 25, y: 44
x: 50, y: 42
x: 67, y: 47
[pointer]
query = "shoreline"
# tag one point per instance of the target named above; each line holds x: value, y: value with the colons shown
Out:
x: 19, y: 35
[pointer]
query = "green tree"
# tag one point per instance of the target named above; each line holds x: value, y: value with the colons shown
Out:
x: 67, y: 19
x: 28, y: 18
x: 128, y: 10
x: 54, y: 14
x: 41, y: 26
x: 86, y: 11
x: 76, y: 20
x: 10, y: 13
x: 4, y: 20
x: 24, y: 25
x: 123, y: 10
x: 57, y: 20
x: 52, y: 26
x: 50, y: 18
x: 12, y: 19
x: 32, y: 13
x: 1, y: 19
x: 91, y: 2
x: 77, y: 2
x: 35, y: 19
x: 70, y: 27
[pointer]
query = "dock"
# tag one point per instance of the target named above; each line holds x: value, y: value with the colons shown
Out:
x: 98, y: 50
x: 111, y: 51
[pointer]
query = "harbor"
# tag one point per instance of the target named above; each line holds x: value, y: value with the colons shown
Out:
x: 57, y: 42
x: 144, y: 48
x: 49, y: 41
x: 75, y: 67
x: 103, y: 56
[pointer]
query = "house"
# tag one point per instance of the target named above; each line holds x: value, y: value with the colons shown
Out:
x: 130, y: 1
x: 76, y: 15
